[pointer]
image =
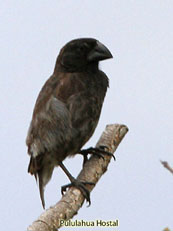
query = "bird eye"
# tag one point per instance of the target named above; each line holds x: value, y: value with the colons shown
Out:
x: 83, y: 47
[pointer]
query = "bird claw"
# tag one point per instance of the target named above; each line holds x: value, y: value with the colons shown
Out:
x: 81, y: 186
x: 99, y: 151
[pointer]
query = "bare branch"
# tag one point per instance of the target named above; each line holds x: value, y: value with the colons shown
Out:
x: 94, y: 168
x: 166, y: 165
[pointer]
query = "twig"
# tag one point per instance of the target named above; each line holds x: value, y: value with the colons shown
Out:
x: 94, y: 168
x: 166, y: 165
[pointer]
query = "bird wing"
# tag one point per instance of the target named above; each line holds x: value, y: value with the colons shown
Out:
x: 51, y: 130
x: 51, y: 127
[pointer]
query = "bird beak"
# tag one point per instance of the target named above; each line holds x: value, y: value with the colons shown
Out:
x: 100, y: 52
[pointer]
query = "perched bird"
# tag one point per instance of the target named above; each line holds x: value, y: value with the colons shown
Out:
x: 67, y: 110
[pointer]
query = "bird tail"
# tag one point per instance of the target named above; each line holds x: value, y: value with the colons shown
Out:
x: 42, y: 170
x: 41, y: 189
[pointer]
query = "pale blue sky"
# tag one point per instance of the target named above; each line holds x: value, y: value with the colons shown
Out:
x: 137, y: 190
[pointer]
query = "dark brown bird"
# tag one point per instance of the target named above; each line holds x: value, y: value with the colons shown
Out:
x: 67, y: 109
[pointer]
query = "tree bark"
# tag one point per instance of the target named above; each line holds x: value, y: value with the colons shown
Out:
x: 93, y: 169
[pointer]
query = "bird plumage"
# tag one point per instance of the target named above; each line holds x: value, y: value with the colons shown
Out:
x: 68, y: 107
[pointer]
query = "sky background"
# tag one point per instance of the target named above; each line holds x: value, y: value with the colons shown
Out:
x: 136, y: 189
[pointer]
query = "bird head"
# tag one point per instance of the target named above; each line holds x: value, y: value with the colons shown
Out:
x: 79, y: 54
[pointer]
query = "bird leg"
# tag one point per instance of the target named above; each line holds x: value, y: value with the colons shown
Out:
x: 99, y: 151
x: 76, y: 183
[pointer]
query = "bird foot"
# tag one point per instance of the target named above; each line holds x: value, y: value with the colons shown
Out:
x: 81, y: 186
x: 99, y: 151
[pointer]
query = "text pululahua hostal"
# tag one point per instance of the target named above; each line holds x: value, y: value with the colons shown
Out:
x: 84, y: 223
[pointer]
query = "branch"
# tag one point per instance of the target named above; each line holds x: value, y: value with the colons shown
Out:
x: 93, y: 169
x: 166, y: 165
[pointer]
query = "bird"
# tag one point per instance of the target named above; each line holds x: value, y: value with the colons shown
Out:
x: 67, y: 111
